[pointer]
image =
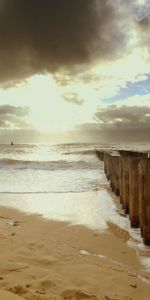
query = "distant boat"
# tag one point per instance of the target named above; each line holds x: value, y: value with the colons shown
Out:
x: 12, y: 143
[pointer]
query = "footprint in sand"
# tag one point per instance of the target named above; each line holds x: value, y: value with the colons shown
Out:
x: 77, y: 295
x: 9, y: 296
x: 45, y: 286
x: 18, y: 289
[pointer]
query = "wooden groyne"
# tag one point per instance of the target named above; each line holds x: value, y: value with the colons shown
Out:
x: 129, y: 176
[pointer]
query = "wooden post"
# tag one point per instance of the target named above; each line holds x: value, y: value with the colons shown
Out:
x: 107, y: 165
x: 134, y: 192
x: 111, y: 165
x: 117, y: 189
x: 144, y: 199
x: 121, y: 180
x: 125, y: 184
x: 100, y: 155
x: 116, y: 169
x: 129, y: 176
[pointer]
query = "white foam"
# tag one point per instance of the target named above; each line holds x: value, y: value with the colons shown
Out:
x: 145, y: 262
x: 91, y: 209
x: 84, y: 252
x: 22, y: 167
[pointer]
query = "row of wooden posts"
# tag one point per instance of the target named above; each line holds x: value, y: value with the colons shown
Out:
x: 129, y: 175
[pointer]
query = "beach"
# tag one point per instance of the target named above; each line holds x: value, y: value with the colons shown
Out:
x: 74, y: 150
x: 44, y: 259
x: 61, y: 233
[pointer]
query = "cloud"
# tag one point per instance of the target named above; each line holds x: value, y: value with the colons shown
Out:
x: 46, y: 36
x: 13, y: 117
x: 111, y: 124
x: 14, y: 110
x: 143, y: 26
x: 125, y: 117
x: 73, y: 98
x: 118, y: 124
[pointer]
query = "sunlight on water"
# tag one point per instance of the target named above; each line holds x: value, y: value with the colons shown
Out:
x: 49, y: 168
x: 91, y: 209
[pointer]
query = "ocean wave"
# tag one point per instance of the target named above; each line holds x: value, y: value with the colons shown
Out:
x: 46, y: 165
x: 81, y: 152
x: 50, y: 192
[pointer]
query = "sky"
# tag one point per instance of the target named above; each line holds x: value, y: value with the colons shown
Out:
x: 74, y: 71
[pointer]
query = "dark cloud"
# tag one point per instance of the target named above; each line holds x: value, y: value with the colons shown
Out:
x: 143, y: 27
x: 139, y: 20
x: 144, y: 23
x: 112, y: 124
x: 14, y: 110
x: 78, y: 75
x: 13, y: 117
x: 73, y: 98
x: 121, y: 124
x: 46, y: 36
x: 126, y: 117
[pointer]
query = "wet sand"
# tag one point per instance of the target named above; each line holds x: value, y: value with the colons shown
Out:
x: 42, y: 259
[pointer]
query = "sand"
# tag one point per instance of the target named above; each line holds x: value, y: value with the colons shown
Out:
x: 43, y: 260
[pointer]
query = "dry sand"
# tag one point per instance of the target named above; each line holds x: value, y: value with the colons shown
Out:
x: 41, y: 259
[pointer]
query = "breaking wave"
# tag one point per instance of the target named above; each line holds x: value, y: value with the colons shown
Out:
x: 47, y: 165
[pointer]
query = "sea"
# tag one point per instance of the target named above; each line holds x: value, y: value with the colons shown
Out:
x: 32, y: 168
x: 58, y: 168
x: 63, y: 182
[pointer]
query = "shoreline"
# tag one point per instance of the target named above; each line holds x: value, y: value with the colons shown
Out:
x: 44, y: 259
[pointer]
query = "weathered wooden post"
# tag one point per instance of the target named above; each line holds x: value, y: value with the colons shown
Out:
x: 125, y: 184
x: 118, y: 162
x: 111, y: 165
x: 134, y: 191
x: 116, y: 169
x: 144, y: 199
x: 129, y: 176
x: 100, y: 155
x: 107, y: 165
x: 125, y: 178
x: 121, y: 180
